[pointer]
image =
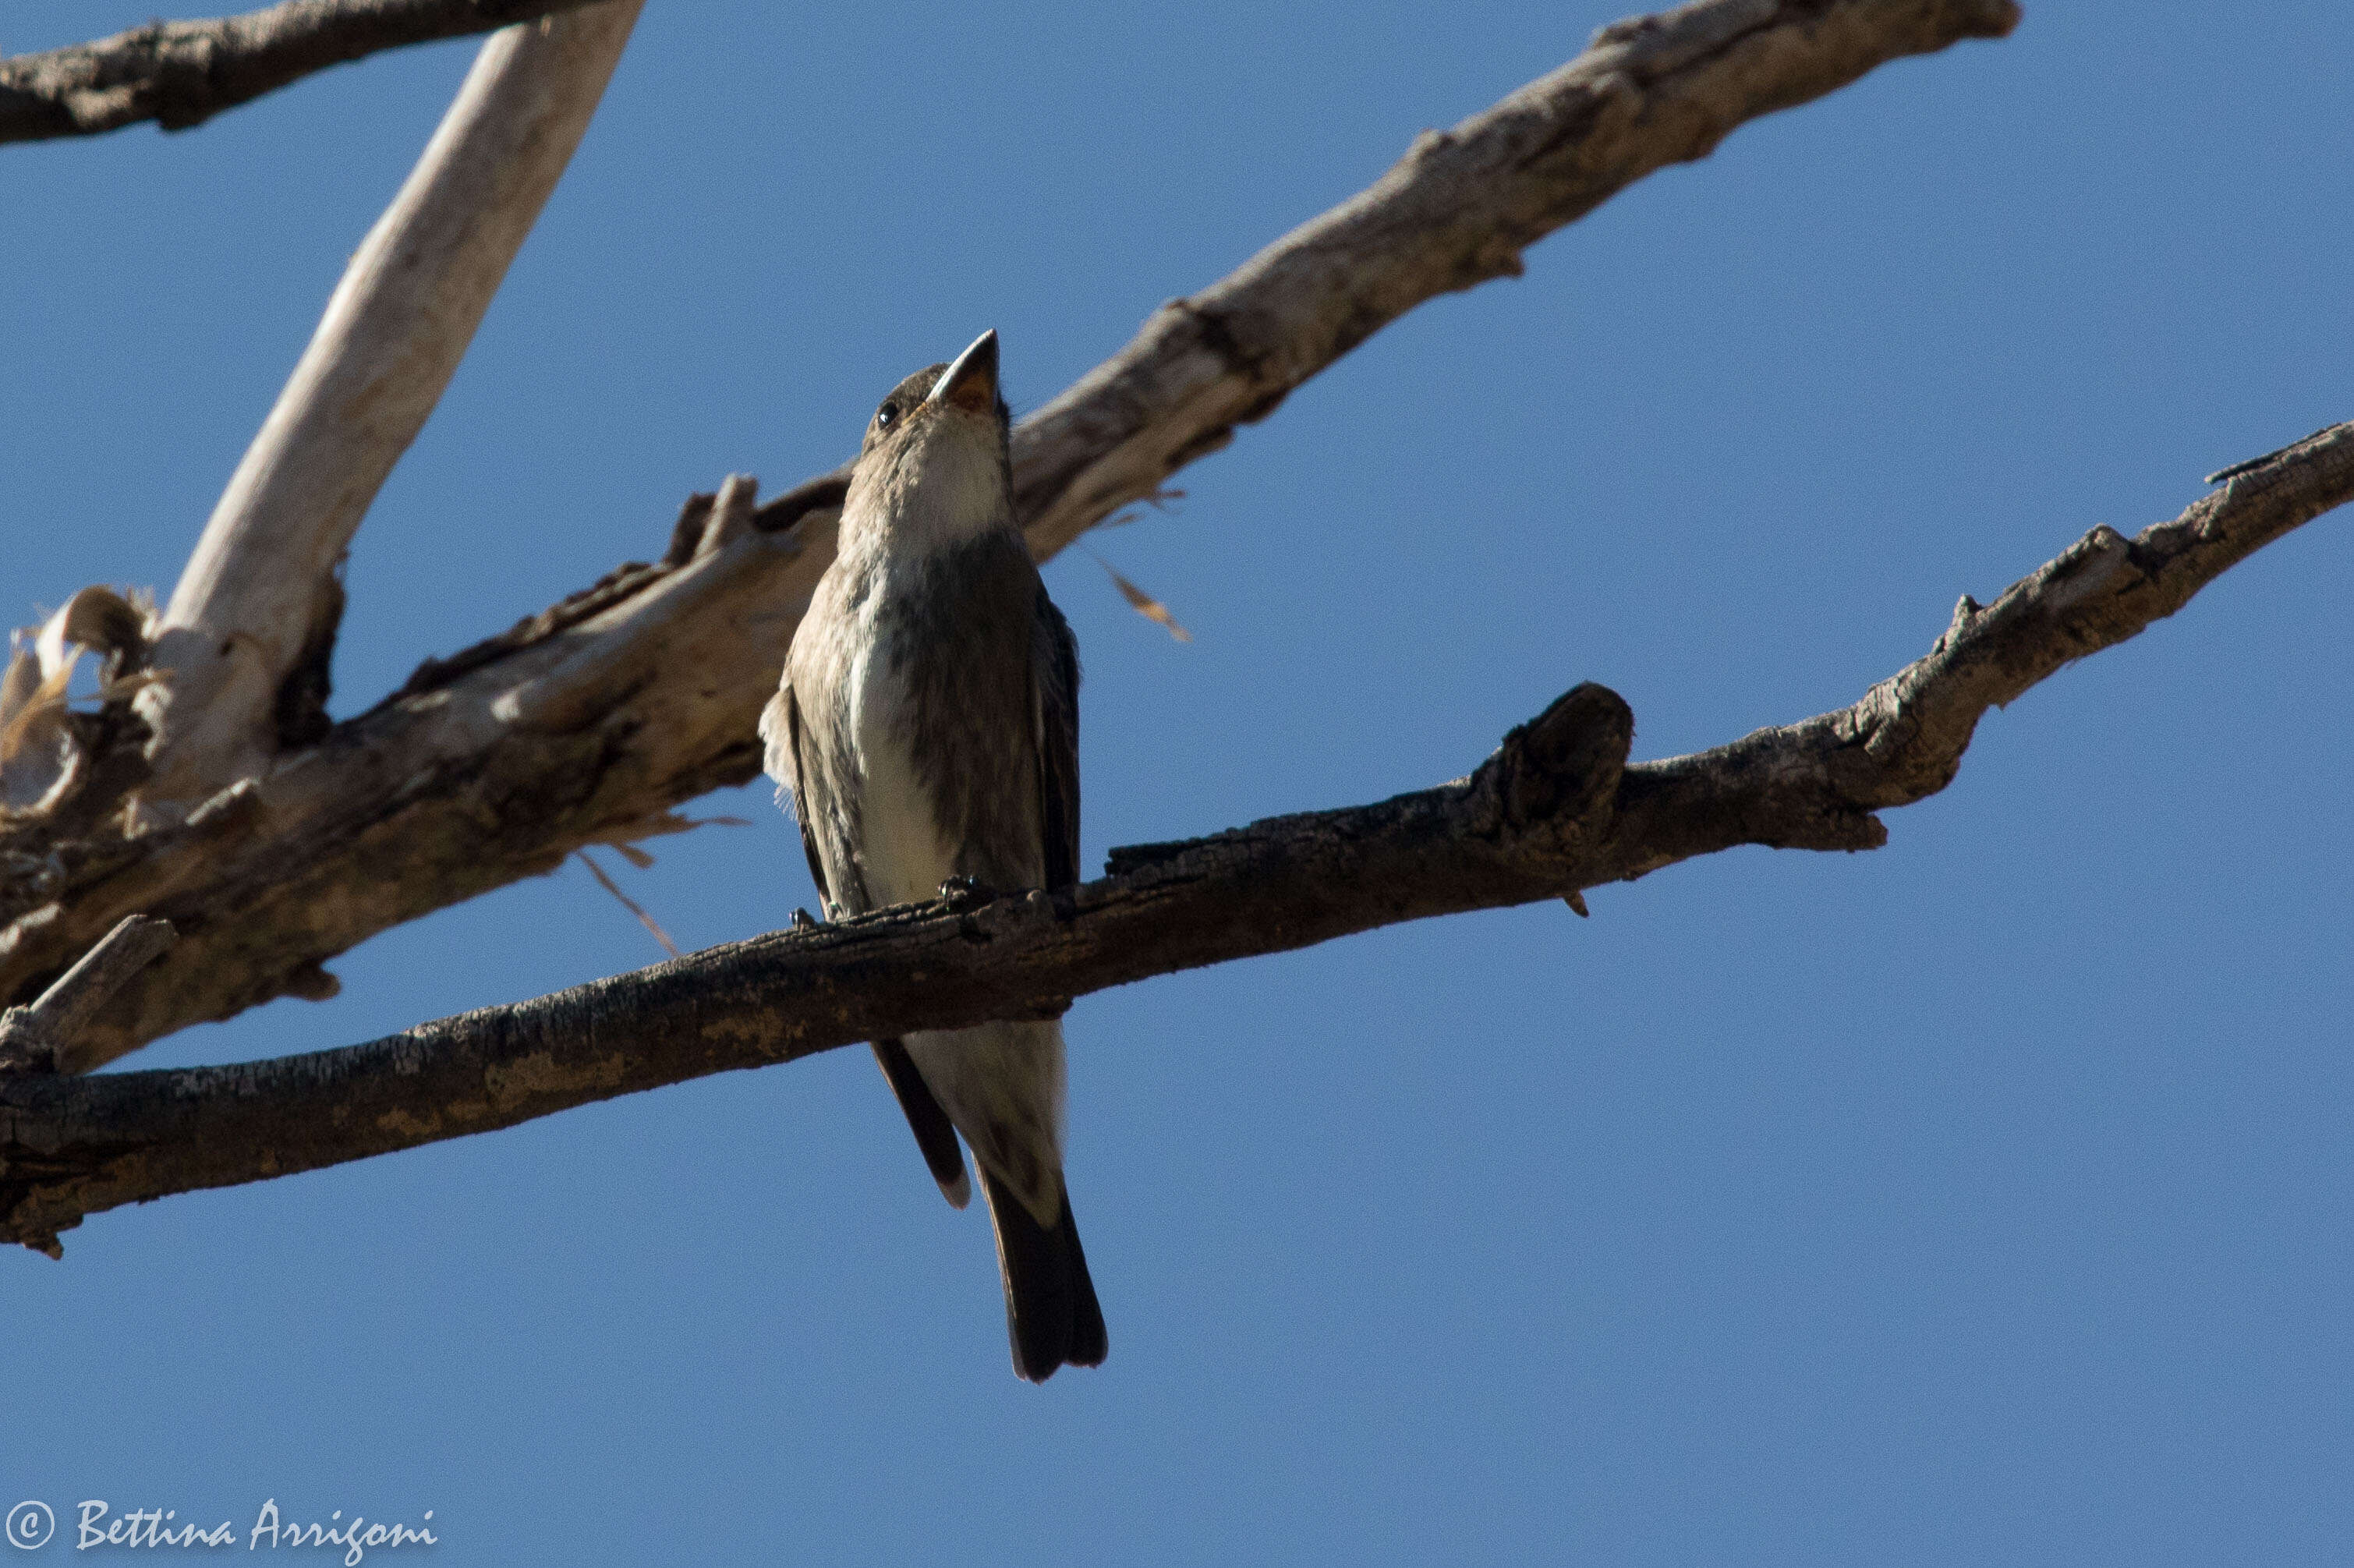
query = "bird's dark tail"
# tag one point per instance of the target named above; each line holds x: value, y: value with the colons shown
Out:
x: 1051, y: 1312
x: 935, y: 1135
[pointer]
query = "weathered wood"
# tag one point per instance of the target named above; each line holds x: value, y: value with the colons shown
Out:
x: 1813, y: 785
x: 1454, y: 212
x: 31, y: 1038
x: 245, y: 641
x: 590, y: 722
x: 1556, y: 808
x: 180, y: 74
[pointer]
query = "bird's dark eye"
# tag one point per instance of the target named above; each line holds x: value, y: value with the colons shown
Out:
x: 887, y: 415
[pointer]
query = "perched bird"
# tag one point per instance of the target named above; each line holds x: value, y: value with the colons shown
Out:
x: 927, y: 726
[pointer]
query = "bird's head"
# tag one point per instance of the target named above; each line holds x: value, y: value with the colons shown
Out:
x: 963, y: 396
x: 935, y: 461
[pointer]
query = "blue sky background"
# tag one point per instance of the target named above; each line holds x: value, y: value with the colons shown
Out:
x: 1983, y: 1199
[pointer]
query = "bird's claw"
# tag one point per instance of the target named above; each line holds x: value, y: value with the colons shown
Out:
x: 963, y: 892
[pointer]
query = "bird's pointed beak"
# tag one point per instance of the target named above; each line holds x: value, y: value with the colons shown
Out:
x: 971, y: 382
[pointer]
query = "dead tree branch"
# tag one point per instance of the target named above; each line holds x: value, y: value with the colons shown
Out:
x: 181, y: 74
x: 245, y: 641
x: 1454, y: 212
x: 590, y: 722
x: 1556, y: 808
x: 1816, y: 784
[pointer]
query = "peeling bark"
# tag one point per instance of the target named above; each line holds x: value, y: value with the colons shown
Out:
x: 1556, y: 809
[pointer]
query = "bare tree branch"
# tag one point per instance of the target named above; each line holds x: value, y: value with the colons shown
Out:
x: 1556, y: 808
x: 181, y: 74
x: 1454, y: 212
x: 245, y: 641
x: 1815, y: 784
x: 590, y: 722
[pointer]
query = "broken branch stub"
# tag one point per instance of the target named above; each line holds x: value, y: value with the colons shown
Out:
x: 35, y: 1038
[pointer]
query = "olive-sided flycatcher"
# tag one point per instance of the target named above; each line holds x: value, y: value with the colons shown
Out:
x: 928, y: 728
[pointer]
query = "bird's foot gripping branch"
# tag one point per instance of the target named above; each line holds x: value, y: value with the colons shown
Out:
x: 1522, y: 827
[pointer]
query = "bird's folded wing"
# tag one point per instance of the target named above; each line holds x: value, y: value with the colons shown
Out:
x: 1055, y: 666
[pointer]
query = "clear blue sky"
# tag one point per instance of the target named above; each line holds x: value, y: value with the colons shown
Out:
x: 1982, y: 1200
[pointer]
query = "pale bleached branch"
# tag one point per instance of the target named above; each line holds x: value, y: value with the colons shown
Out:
x: 590, y: 722
x: 244, y: 643
x: 1556, y: 808
x: 180, y: 74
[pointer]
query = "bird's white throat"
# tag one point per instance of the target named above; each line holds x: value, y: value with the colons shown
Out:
x: 945, y: 486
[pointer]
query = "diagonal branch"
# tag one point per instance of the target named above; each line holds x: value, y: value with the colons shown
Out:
x: 1815, y: 784
x: 590, y: 722
x: 1556, y: 808
x: 246, y: 639
x: 181, y: 74
x: 1454, y: 212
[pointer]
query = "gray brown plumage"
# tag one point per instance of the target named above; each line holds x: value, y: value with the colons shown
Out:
x: 927, y: 728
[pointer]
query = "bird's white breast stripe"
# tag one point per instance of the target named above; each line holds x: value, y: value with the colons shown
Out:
x: 904, y: 857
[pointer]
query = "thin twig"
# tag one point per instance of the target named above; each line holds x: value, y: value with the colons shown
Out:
x: 628, y: 903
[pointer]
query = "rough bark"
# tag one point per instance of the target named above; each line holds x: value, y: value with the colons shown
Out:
x: 1454, y: 212
x: 1556, y: 808
x: 245, y: 641
x: 181, y: 74
x: 590, y: 722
